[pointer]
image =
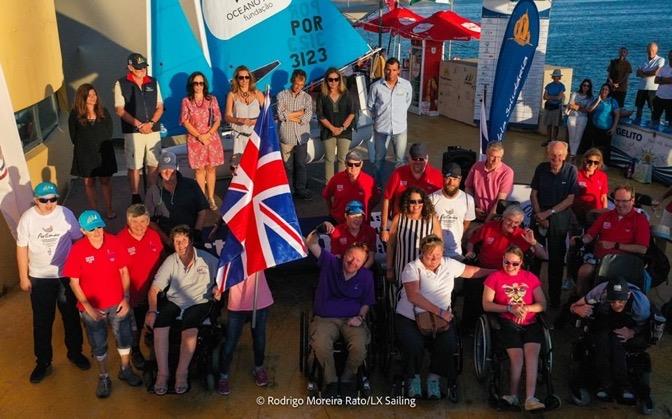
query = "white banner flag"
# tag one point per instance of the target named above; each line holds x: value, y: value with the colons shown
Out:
x: 16, y: 193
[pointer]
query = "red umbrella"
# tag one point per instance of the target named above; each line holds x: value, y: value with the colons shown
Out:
x: 394, y: 20
x: 443, y: 26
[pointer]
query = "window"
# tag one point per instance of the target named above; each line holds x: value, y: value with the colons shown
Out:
x: 37, y: 122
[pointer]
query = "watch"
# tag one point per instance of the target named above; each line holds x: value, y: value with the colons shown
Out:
x: 552, y: 210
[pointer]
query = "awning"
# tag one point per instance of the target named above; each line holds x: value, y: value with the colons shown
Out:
x: 443, y: 26
x: 395, y: 20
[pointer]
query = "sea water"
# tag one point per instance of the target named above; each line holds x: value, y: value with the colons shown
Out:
x: 584, y: 34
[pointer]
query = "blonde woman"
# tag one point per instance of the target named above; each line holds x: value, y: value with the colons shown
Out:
x: 243, y: 104
x: 336, y: 113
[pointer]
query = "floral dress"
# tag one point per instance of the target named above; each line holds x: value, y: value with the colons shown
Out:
x: 202, y: 116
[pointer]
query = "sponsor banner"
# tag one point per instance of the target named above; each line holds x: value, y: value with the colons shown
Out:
x: 515, y: 59
x: 16, y: 193
x: 646, y: 146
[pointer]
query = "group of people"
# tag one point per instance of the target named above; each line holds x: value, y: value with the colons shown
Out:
x: 591, y: 118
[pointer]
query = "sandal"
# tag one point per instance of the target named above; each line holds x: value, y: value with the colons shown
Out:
x: 161, y: 385
x: 181, y: 383
x: 213, y: 205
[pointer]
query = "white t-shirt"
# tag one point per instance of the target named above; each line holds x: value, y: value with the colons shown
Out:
x: 665, y: 90
x: 647, y: 83
x: 48, y: 238
x: 452, y: 212
x: 434, y: 286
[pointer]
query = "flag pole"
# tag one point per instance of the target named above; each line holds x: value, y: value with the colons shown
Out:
x: 254, y: 300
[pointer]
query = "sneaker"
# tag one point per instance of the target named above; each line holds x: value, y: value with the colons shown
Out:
x: 628, y: 396
x: 414, y: 387
x: 533, y: 404
x: 80, y: 361
x: 104, y: 387
x: 646, y: 406
x: 260, y: 376
x: 40, y: 371
x: 603, y: 394
x: 511, y: 400
x: 138, y: 359
x: 127, y: 374
x: 433, y: 389
x: 223, y: 386
x: 567, y: 284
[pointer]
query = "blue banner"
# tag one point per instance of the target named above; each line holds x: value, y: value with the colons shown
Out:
x: 515, y: 59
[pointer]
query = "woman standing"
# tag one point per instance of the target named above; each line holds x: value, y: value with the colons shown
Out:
x: 604, y: 115
x: 593, y: 186
x: 335, y: 113
x: 577, y: 115
x: 91, y: 132
x: 517, y: 296
x: 243, y: 104
x: 201, y: 117
x: 416, y: 219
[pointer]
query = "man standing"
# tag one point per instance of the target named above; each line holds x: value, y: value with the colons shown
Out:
x: 646, y: 92
x: 617, y: 76
x: 455, y: 210
x: 144, y: 251
x: 418, y: 172
x: 663, y: 100
x: 554, y: 185
x: 352, y: 184
x: 295, y: 108
x: 44, y: 237
x: 489, y: 181
x: 138, y: 102
x: 389, y: 100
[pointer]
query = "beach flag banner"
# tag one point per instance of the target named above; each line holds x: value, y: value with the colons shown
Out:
x: 515, y: 59
x: 258, y: 209
x: 16, y: 193
x: 484, y: 132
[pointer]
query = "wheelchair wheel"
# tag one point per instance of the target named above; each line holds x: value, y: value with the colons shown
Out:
x: 303, y: 344
x: 482, y: 348
x: 552, y: 402
x: 546, y: 358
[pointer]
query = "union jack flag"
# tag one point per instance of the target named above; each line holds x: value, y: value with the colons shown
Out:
x: 258, y: 209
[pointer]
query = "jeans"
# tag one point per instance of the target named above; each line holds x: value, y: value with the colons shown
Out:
x: 46, y: 295
x: 295, y: 157
x: 334, y: 148
x: 234, y: 328
x: 576, y: 125
x: 380, y: 146
x: 97, y: 332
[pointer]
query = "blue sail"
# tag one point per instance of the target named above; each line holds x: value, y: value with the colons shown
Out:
x: 272, y: 38
x: 176, y: 53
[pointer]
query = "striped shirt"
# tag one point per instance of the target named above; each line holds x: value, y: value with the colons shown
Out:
x: 409, y: 233
x: 294, y: 133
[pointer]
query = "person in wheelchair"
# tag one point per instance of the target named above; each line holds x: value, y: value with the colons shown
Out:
x: 345, y: 291
x: 621, y: 230
x: 618, y: 314
x: 428, y: 283
x: 187, y: 280
x: 517, y: 296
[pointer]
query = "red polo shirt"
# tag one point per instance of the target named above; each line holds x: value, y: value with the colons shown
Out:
x: 591, y: 190
x: 494, y: 243
x: 98, y: 271
x: 402, y: 177
x: 340, y: 190
x: 341, y: 238
x: 144, y: 257
x: 631, y: 229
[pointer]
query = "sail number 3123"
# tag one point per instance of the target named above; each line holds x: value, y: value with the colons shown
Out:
x: 308, y: 57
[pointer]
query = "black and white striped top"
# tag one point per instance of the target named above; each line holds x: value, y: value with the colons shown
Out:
x: 409, y: 233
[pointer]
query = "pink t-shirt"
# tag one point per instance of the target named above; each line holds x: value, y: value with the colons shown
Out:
x: 487, y: 185
x: 514, y: 289
x: 241, y: 296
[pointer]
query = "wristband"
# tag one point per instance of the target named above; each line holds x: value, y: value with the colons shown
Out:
x: 153, y: 311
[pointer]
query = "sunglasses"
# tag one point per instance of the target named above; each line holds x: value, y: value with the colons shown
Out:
x: 514, y: 264
x: 416, y: 201
x: 243, y: 77
x: 93, y: 229
x: 352, y: 164
x: 197, y: 83
x: 592, y: 163
x: 330, y: 79
x: 418, y: 158
x: 45, y: 200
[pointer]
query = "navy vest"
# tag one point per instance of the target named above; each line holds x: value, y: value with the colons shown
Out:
x: 140, y: 102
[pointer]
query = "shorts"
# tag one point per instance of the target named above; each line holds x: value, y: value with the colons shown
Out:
x: 516, y: 336
x: 553, y: 117
x: 142, y: 150
x: 192, y: 317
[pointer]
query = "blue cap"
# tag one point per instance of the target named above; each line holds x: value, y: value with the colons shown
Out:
x: 354, y: 207
x: 90, y: 220
x: 46, y: 190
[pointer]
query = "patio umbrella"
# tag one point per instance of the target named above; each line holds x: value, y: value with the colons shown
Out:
x: 443, y: 26
x: 394, y: 20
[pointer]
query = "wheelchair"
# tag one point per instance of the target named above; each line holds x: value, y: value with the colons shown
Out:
x: 638, y: 361
x: 491, y: 362
x: 205, y: 361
